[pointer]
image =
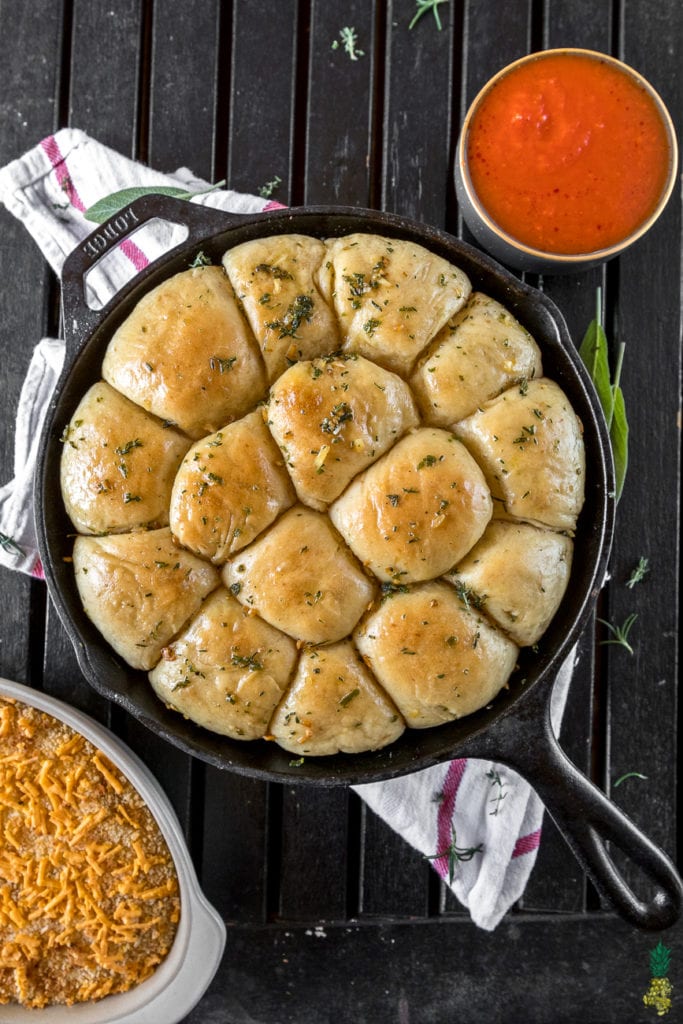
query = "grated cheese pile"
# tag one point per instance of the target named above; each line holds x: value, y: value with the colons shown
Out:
x: 89, y: 902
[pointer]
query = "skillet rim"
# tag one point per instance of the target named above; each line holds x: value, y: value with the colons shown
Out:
x: 416, y: 749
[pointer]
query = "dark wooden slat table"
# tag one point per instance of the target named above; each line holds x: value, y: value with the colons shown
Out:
x: 330, y: 916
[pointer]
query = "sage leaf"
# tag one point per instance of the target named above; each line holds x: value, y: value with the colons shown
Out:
x: 619, y: 437
x: 594, y: 352
x: 109, y: 205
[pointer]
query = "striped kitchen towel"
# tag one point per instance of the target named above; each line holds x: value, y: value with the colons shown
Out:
x: 478, y: 823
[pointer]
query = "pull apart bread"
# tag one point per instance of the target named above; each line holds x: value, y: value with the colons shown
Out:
x: 323, y: 492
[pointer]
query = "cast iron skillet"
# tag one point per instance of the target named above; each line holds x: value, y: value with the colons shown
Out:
x: 516, y: 728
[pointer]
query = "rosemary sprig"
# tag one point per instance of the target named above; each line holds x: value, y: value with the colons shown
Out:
x: 594, y: 353
x: 455, y: 854
x: 423, y: 6
x: 639, y: 573
x: 620, y: 633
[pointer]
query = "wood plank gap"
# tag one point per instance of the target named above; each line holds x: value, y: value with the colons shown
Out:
x: 436, y: 895
x: 617, y: 29
x: 64, y: 82
x: 300, y: 104
x: 37, y: 622
x: 457, y: 113
x: 144, y: 82
x: 537, y: 26
x: 195, y: 810
x: 273, y: 852
x: 223, y: 92
x: 354, y: 865
x: 377, y: 134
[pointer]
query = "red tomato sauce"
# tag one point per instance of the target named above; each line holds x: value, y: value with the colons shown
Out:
x: 568, y: 154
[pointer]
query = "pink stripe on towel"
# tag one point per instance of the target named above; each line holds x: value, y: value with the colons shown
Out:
x: 444, y: 825
x: 527, y: 844
x: 58, y: 161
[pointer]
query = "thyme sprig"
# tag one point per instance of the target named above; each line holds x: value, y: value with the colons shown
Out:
x: 500, y: 794
x: 639, y: 573
x: 349, y: 39
x: 455, y: 854
x: 423, y: 6
x: 620, y: 633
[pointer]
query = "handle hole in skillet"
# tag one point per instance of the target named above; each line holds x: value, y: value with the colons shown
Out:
x: 122, y: 260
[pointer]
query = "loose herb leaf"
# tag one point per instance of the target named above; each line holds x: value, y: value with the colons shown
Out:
x: 9, y: 544
x: 619, y: 438
x: 638, y: 573
x: 423, y: 6
x: 594, y: 353
x: 105, y: 208
x: 628, y: 775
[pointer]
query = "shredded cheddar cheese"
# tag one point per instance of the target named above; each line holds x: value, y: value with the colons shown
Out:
x: 89, y: 901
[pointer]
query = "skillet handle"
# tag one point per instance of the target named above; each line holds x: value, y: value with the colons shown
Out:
x: 200, y: 221
x: 587, y: 819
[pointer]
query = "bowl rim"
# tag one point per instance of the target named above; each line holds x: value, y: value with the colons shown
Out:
x: 181, y: 979
x: 595, y: 255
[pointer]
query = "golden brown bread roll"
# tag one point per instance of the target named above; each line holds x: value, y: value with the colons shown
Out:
x: 529, y: 443
x: 230, y: 487
x: 334, y: 706
x: 273, y: 279
x: 139, y: 589
x: 517, y: 574
x: 186, y: 354
x: 334, y: 417
x: 226, y: 670
x: 480, y: 352
x: 418, y: 510
x: 302, y: 578
x: 118, y: 464
x: 390, y: 296
x: 436, y: 658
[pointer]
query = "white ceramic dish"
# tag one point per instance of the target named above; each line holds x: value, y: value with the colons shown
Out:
x: 180, y: 981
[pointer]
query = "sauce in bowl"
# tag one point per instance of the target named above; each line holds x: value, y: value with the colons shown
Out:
x: 569, y: 152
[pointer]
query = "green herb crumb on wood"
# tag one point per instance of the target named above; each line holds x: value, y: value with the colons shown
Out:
x: 349, y: 41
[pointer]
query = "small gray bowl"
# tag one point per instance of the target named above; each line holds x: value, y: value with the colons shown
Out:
x: 511, y: 251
